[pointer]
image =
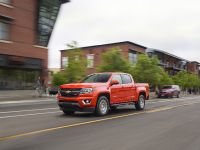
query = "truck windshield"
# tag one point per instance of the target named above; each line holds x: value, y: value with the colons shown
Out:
x: 102, y: 78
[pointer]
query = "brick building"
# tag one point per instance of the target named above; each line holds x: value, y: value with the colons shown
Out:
x: 171, y: 63
x: 25, y: 29
x: 194, y: 67
x: 93, y: 53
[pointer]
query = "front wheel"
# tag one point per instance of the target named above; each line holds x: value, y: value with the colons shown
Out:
x: 140, y: 104
x: 102, y: 107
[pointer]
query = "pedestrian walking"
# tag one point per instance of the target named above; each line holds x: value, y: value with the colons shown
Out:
x: 39, y: 88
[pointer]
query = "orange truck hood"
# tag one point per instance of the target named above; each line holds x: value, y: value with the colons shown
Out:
x: 82, y: 85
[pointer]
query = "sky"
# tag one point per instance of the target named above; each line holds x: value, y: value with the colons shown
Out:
x: 169, y: 25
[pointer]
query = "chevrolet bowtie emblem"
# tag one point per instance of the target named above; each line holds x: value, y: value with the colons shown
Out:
x: 68, y: 92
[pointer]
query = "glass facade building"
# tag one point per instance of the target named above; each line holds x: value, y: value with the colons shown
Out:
x: 47, y: 14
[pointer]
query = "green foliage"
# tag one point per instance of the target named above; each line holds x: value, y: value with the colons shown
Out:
x: 187, y: 80
x: 165, y: 78
x: 77, y: 63
x: 148, y: 70
x: 58, y: 79
x: 113, y: 61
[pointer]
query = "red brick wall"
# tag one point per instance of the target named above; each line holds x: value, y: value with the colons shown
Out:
x: 23, y: 31
x: 99, y: 50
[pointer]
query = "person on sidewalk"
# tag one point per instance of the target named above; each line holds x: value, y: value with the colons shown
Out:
x: 39, y: 88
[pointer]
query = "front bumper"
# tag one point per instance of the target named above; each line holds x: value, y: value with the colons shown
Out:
x: 74, y: 106
x: 76, y: 103
x: 164, y: 95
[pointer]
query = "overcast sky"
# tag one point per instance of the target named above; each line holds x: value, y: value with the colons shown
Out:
x: 170, y: 25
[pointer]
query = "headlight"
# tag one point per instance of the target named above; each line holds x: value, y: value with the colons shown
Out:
x: 86, y: 90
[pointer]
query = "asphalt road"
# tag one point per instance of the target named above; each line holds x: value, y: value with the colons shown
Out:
x: 166, y: 124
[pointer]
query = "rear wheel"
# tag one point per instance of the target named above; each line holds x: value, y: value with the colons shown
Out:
x: 102, y: 107
x: 140, y: 104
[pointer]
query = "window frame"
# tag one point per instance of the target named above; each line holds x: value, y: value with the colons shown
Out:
x: 119, y: 76
x: 90, y: 62
x: 66, y: 62
x: 5, y: 32
x: 131, y: 80
x: 132, y: 56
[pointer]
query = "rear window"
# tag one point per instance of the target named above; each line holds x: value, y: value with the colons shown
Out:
x: 126, y: 79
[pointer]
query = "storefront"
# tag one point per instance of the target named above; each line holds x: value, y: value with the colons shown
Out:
x: 19, y: 72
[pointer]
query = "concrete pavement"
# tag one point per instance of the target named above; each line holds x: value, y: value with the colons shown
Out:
x: 165, y: 124
x: 18, y: 95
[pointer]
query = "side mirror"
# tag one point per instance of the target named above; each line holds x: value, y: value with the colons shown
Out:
x: 114, y: 82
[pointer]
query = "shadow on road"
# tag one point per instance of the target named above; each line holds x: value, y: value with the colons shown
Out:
x: 118, y: 111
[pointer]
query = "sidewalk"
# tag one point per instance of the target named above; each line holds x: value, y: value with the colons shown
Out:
x: 10, y: 95
x: 16, y: 95
x: 183, y: 94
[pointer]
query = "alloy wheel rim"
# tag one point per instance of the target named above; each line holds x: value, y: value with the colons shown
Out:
x: 103, y: 106
x: 142, y: 102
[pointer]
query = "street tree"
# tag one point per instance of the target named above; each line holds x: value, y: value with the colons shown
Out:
x: 148, y: 70
x: 58, y: 79
x: 187, y: 80
x: 75, y: 70
x: 113, y: 61
x: 165, y: 79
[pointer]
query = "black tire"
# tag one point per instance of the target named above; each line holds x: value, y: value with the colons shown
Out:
x: 178, y: 95
x: 102, y: 106
x: 140, y: 104
x: 68, y: 112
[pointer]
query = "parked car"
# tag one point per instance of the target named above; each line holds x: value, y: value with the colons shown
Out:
x: 53, y: 90
x: 101, y: 92
x: 169, y: 91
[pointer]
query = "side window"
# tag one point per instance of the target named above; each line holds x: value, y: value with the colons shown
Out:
x: 117, y: 77
x: 126, y: 79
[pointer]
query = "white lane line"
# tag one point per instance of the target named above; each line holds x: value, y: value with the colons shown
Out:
x: 26, y: 101
x: 4, y: 117
x: 17, y: 111
x: 172, y: 100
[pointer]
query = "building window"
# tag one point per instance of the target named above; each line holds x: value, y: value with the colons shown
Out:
x: 5, y: 1
x: 65, y: 62
x: 132, y: 57
x: 76, y: 58
x: 4, y: 31
x: 90, y: 60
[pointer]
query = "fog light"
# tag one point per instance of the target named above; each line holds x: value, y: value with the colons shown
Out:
x: 86, y: 101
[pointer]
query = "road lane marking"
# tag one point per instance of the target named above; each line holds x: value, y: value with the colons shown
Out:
x: 93, y: 121
x: 33, y: 114
x: 27, y: 101
x: 7, y: 112
x: 4, y: 117
x: 172, y: 100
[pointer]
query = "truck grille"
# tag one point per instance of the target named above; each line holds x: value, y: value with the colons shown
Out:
x: 70, y: 92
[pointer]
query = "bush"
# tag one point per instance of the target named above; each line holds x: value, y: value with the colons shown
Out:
x: 58, y: 79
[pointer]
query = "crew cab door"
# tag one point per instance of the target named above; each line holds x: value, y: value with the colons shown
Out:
x: 128, y: 88
x: 116, y: 90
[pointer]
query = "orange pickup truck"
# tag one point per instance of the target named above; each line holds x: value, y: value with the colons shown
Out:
x: 101, y: 92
